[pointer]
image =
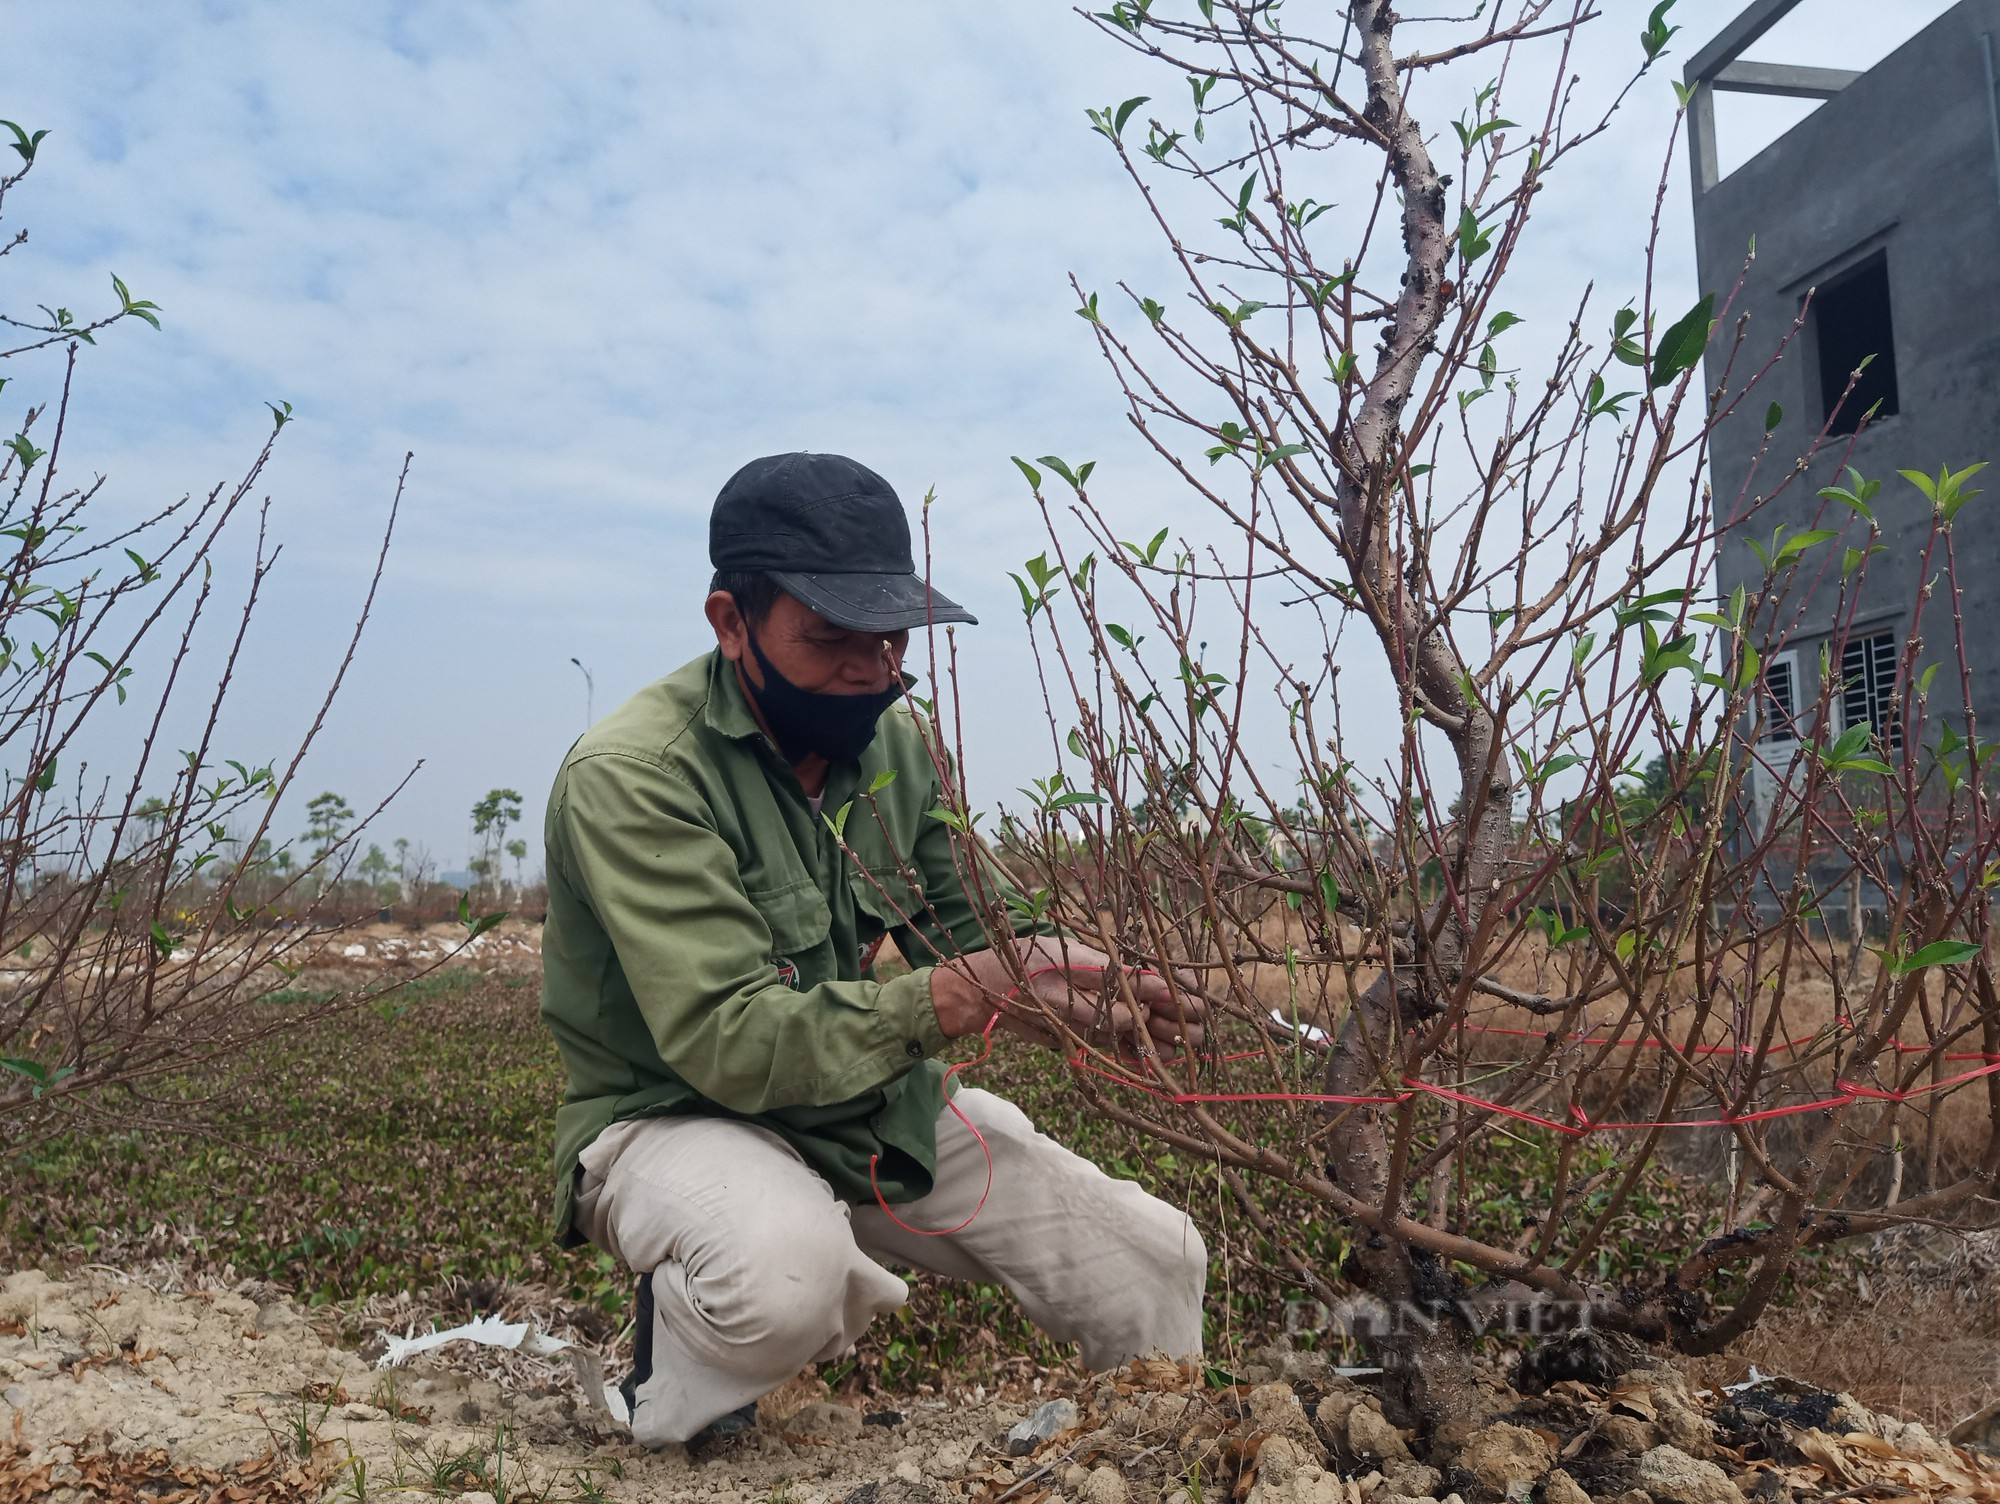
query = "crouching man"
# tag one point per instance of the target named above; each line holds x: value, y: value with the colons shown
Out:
x: 754, y: 1123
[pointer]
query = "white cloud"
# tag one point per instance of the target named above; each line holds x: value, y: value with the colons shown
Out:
x: 584, y: 260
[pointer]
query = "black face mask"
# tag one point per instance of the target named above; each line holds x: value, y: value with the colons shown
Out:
x: 837, y: 727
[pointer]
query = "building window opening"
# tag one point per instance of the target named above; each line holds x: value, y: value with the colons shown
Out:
x: 1851, y: 323
x: 1781, y: 701
x: 1868, y: 687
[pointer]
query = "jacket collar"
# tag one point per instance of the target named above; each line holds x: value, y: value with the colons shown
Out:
x: 728, y: 710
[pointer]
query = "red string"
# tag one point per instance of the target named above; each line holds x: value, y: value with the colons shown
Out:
x: 1850, y: 1092
x: 1780, y: 1048
x: 986, y: 1036
x: 1917, y: 1091
x: 943, y: 1232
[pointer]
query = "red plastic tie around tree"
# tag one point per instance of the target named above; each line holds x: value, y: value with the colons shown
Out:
x: 986, y: 1036
x: 945, y: 1232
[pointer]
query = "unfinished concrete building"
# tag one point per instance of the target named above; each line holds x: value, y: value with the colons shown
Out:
x: 1877, y: 219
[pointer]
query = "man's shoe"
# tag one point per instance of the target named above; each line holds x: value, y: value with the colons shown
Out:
x: 721, y: 1429
x: 735, y: 1423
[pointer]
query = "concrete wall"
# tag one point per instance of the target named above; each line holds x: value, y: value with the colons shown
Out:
x: 1901, y: 161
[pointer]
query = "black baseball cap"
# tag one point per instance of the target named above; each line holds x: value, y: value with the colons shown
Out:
x: 832, y: 533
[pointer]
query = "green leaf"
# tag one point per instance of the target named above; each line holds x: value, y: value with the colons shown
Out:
x: 881, y: 780
x: 164, y: 943
x: 1799, y: 543
x: 1076, y: 477
x: 138, y: 308
x: 1109, y: 122
x: 1473, y: 242
x: 1680, y: 347
x: 1241, y: 217
x: 1469, y: 138
x: 837, y: 821
x: 281, y: 414
x: 1088, y: 312
x: 1317, y: 293
x: 24, y: 143
x: 1596, y: 404
x: 1653, y: 40
x: 1500, y: 323
x: 1773, y: 416
x: 1236, y: 317
x: 474, y: 928
x: 1034, y: 475
x: 1649, y: 608
x: 1070, y: 800
x: 1305, y: 212
x: 1154, y: 311
x: 1857, y: 493
x: 1748, y: 669
x: 1937, y: 953
x: 1151, y: 551
x: 46, y: 779
x: 1947, y: 492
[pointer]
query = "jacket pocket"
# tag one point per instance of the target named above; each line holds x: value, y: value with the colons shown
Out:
x: 797, y: 916
x: 889, y: 898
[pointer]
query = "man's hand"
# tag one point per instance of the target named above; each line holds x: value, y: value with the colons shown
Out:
x: 1070, y: 984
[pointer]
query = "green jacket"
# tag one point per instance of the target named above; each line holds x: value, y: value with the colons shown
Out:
x: 708, y: 940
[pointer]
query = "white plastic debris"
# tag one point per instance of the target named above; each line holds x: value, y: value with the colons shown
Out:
x: 1756, y: 1379
x: 1752, y: 1382
x: 488, y: 1331
x: 517, y: 1336
x: 355, y: 950
x: 1303, y: 1030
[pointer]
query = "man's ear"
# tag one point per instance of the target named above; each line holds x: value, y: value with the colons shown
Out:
x: 730, y: 633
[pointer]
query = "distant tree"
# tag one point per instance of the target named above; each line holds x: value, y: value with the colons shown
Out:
x: 403, y: 863
x: 327, y: 816
x: 518, y: 850
x: 490, y: 818
x: 375, y: 869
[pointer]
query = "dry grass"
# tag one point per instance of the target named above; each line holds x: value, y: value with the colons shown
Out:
x: 1951, y: 1128
x: 1909, y: 1325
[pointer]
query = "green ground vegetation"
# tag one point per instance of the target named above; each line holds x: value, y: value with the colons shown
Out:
x: 407, y: 1144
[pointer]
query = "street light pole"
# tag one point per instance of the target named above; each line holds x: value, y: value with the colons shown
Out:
x: 589, y: 694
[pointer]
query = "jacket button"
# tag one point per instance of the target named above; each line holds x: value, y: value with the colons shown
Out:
x: 914, y: 1049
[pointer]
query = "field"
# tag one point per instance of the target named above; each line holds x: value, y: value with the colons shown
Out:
x: 402, y: 1151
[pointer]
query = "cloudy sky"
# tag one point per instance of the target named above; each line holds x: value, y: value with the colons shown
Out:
x: 586, y: 259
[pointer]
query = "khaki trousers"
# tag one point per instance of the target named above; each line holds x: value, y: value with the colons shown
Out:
x: 759, y: 1270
